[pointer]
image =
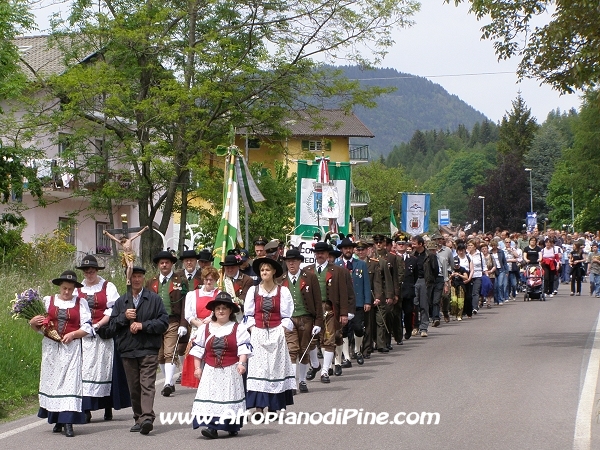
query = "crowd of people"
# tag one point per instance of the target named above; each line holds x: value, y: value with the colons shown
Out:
x: 251, y: 335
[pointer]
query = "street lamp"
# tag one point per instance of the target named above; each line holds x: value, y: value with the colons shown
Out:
x: 530, y: 189
x: 483, y: 207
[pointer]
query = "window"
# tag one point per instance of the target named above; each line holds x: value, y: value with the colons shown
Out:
x: 103, y: 244
x: 316, y: 146
x: 253, y: 143
x: 63, y: 143
x: 67, y: 226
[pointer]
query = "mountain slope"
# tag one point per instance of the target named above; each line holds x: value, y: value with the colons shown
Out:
x: 417, y: 104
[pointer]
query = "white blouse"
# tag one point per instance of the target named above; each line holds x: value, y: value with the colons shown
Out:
x: 85, y: 317
x: 242, y: 336
x: 286, y: 306
x: 112, y: 295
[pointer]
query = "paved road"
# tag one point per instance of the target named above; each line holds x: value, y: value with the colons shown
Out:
x: 510, y: 378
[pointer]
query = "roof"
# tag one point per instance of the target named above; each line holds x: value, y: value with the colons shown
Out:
x: 327, y: 122
x: 323, y: 122
x: 36, y: 53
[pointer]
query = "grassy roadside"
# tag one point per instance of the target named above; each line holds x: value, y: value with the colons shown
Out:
x: 21, y: 346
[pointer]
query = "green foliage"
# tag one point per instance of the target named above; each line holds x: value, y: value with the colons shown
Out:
x: 517, y: 130
x: 15, y: 19
x: 562, y: 53
x: 275, y: 216
x: 167, y: 80
x: 11, y: 242
x: 383, y: 185
x: 577, y: 173
x: 48, y: 250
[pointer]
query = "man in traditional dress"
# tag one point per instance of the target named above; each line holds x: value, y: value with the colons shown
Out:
x: 362, y: 290
x: 236, y: 283
x: 308, y: 312
x: 205, y: 259
x: 172, y: 288
x: 138, y: 322
x: 334, y: 294
x: 385, y: 313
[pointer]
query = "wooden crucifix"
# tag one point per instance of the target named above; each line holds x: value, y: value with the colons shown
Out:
x: 127, y: 254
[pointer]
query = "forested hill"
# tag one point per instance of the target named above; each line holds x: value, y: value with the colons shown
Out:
x: 417, y: 104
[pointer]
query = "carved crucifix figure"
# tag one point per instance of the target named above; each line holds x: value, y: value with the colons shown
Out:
x: 127, y: 254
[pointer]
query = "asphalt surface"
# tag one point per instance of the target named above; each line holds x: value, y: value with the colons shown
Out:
x: 510, y: 378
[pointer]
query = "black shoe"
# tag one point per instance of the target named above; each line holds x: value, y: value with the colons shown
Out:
x: 330, y: 372
x: 367, y: 355
x: 108, y: 414
x: 319, y: 354
x: 146, y: 427
x: 233, y: 433
x: 407, y: 336
x: 136, y: 428
x: 69, y: 430
x: 346, y: 363
x: 324, y: 378
x: 390, y: 347
x: 303, y: 387
x: 383, y: 350
x: 167, y: 390
x: 57, y: 428
x: 294, y: 392
x: 210, y: 433
x: 88, y: 416
x: 359, y: 359
x: 312, y: 372
x: 353, y: 355
x: 338, y: 370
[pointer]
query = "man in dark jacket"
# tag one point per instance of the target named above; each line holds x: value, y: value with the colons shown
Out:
x: 137, y: 322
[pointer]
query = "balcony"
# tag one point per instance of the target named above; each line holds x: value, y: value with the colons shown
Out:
x: 358, y: 197
x: 359, y: 153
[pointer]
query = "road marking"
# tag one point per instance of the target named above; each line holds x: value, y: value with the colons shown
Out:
x: 29, y: 426
x: 583, y: 421
x: 37, y: 423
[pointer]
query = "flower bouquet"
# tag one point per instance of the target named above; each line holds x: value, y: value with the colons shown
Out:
x: 27, y: 305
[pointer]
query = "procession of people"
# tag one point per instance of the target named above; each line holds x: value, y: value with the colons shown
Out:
x: 250, y: 336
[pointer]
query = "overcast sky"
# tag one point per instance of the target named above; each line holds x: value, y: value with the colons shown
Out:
x: 443, y: 45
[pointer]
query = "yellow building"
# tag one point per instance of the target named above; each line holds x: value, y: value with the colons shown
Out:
x: 311, y: 133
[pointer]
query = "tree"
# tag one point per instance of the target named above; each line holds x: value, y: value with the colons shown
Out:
x: 165, y: 81
x: 577, y: 175
x: 383, y: 185
x: 562, y: 53
x: 517, y: 130
x: 506, y: 193
x: 15, y: 19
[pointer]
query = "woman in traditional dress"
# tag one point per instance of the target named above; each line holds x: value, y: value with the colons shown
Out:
x: 220, y: 351
x: 104, y: 382
x: 268, y: 308
x: 196, y: 313
x: 61, y: 385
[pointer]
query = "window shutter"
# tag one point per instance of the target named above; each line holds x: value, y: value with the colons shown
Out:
x: 305, y: 146
x: 328, y: 146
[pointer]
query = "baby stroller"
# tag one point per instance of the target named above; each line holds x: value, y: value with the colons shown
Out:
x: 534, y: 283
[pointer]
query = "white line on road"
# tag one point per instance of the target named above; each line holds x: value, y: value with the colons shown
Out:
x: 37, y: 423
x: 29, y: 426
x: 583, y: 421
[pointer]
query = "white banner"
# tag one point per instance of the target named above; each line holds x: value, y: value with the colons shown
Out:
x: 415, y: 213
x: 326, y: 202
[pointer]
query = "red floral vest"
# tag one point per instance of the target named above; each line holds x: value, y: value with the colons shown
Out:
x: 98, y: 307
x: 267, y: 318
x: 73, y: 321
x: 226, y: 354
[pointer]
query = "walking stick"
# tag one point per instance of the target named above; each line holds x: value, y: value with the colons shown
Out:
x: 382, y: 314
x: 308, y: 346
x: 175, y: 350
